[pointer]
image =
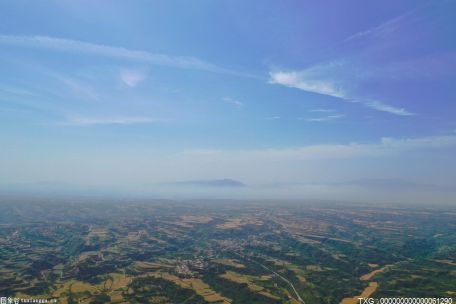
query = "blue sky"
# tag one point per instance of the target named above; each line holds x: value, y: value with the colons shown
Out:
x: 295, y: 99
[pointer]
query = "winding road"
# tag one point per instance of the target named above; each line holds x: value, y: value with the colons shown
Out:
x: 275, y: 273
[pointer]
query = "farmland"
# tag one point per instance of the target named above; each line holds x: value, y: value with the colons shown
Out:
x: 219, y: 252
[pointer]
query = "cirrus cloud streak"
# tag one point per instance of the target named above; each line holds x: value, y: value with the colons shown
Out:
x: 312, y: 82
x: 120, y: 53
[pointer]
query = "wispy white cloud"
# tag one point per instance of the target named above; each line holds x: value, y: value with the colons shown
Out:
x: 385, y: 146
x: 118, y: 120
x: 300, y: 81
x: 236, y: 103
x: 324, y: 118
x: 344, y: 77
x: 132, y: 78
x: 419, y: 142
x: 82, y: 47
x: 377, y: 105
x: 329, y: 80
x: 84, y: 90
x: 322, y: 110
x: 387, y: 26
x: 14, y: 90
x: 273, y: 118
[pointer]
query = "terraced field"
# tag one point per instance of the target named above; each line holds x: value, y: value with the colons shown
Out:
x: 292, y: 253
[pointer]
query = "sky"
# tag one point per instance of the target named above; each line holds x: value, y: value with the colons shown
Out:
x: 337, y: 100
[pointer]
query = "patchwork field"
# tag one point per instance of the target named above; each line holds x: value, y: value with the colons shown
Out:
x: 239, y: 253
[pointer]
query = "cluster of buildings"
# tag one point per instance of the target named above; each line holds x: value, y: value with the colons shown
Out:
x: 190, y: 268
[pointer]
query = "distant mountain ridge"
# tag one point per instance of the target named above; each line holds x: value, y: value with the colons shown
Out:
x: 392, y: 183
